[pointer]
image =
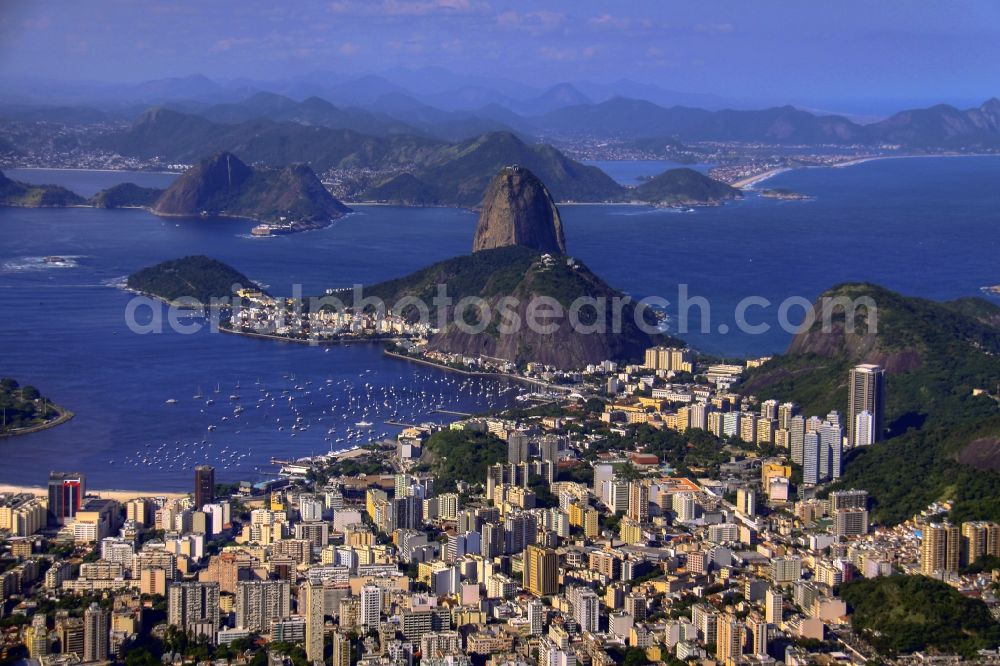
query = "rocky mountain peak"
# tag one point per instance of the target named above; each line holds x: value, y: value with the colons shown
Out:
x: 518, y: 210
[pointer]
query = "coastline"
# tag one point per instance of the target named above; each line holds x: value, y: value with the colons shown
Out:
x: 64, y: 416
x: 37, y: 168
x: 308, y: 341
x: 477, y: 373
x: 749, y: 182
x: 111, y: 493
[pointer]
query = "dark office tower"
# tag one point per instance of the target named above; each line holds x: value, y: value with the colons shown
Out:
x: 867, y: 394
x: 204, y: 486
x: 66, y: 491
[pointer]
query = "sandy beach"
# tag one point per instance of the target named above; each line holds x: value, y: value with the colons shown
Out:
x: 748, y: 183
x: 119, y: 495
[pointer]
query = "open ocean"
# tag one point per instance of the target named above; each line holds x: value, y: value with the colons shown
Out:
x: 927, y: 227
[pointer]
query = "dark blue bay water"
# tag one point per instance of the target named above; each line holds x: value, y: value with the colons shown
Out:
x: 633, y: 172
x: 927, y: 227
x: 89, y: 183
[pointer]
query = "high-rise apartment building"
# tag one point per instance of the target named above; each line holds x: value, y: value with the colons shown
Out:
x: 940, y: 549
x: 541, y: 571
x: 536, y: 617
x: 638, y: 501
x: 311, y: 606
x: 796, y: 437
x: 260, y: 601
x: 191, y: 603
x: 96, y: 632
x: 370, y: 611
x: 729, y: 640
x: 866, y: 393
x: 66, y: 491
x: 204, y: 486
x: 811, y: 454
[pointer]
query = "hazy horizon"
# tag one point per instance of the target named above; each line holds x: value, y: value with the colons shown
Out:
x: 845, y: 56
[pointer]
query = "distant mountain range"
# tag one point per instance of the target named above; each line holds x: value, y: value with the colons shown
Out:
x: 439, y: 103
x: 940, y: 126
x: 430, y: 171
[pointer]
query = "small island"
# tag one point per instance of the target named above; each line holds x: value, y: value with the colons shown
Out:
x: 23, y: 410
x: 681, y: 188
x: 282, y: 201
x: 126, y: 195
x: 196, y: 277
x: 783, y: 194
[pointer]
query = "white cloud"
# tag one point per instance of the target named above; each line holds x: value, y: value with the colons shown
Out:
x: 568, y: 54
x: 407, y: 7
x: 534, y: 22
x: 715, y: 28
x: 230, y: 43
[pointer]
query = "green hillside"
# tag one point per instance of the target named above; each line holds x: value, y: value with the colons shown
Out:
x: 22, y: 406
x: 906, y: 614
x: 16, y: 193
x: 462, y: 455
x: 224, y: 185
x: 459, y: 174
x: 684, y: 187
x: 199, y: 277
x: 521, y: 274
x: 935, y: 354
x: 126, y: 195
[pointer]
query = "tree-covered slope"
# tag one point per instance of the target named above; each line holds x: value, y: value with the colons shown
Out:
x: 462, y: 455
x: 906, y: 614
x: 22, y: 406
x: 126, y: 195
x: 935, y: 354
x: 459, y: 174
x: 16, y: 193
x: 224, y: 185
x: 199, y: 277
x: 684, y: 187
x: 521, y: 276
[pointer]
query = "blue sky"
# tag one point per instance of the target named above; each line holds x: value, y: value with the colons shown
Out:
x: 794, y: 49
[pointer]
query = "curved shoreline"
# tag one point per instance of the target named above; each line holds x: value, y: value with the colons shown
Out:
x: 477, y: 373
x: 318, y: 342
x: 64, y: 416
x: 749, y: 182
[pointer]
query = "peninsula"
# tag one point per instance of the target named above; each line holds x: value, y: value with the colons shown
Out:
x: 196, y: 277
x: 26, y: 410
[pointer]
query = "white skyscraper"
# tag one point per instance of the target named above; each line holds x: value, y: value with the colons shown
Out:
x: 536, y: 616
x: 586, y: 608
x: 796, y: 433
x: 831, y: 437
x: 371, y: 606
x: 311, y: 509
x: 866, y: 393
x: 811, y: 458
x: 864, y: 429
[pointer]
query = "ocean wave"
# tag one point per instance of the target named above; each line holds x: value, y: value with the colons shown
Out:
x: 653, y: 210
x: 33, y: 264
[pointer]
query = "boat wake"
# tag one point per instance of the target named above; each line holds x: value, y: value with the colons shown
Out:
x: 34, y: 264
